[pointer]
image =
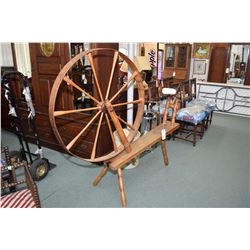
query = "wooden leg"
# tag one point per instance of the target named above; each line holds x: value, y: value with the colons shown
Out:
x: 203, y: 125
x: 101, y: 174
x: 211, y: 116
x: 195, y: 130
x: 123, y: 197
x: 206, y: 122
x: 202, y: 129
x: 164, y: 152
x: 180, y: 130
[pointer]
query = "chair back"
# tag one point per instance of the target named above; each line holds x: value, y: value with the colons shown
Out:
x: 17, y: 184
x: 187, y: 91
x: 171, y: 103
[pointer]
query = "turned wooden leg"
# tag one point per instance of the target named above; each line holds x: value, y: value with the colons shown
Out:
x: 164, y: 152
x: 101, y: 174
x: 123, y: 197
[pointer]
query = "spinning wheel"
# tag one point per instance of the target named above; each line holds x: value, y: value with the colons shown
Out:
x: 105, y: 105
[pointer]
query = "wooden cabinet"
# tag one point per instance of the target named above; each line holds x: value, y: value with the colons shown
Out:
x: 47, y: 61
x: 45, y: 68
x: 177, y: 60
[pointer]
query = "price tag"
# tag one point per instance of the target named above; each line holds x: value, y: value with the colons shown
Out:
x: 163, y: 134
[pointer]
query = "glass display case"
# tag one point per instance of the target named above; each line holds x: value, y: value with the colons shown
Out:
x: 177, y: 60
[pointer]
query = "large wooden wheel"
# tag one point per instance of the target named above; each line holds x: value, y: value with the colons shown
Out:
x: 103, y: 113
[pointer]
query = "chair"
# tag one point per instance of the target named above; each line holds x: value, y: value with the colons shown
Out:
x: 17, y: 193
x: 209, y: 106
x: 157, y: 100
x: 194, y: 114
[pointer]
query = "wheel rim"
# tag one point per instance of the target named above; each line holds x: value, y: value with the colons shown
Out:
x: 41, y: 170
x: 104, y: 107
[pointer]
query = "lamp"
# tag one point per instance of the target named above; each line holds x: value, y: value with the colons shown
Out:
x: 142, y: 63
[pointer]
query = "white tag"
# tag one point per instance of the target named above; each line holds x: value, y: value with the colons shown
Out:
x: 163, y: 134
x: 9, y: 167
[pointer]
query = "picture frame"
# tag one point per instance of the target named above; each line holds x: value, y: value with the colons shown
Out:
x: 201, y: 50
x: 199, y: 67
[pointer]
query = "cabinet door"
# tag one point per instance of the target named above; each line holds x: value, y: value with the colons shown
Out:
x: 47, y: 59
x: 103, y: 74
x: 182, y: 56
x: 170, y: 56
x: 218, y: 63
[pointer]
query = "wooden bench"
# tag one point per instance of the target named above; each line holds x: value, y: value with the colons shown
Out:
x: 140, y: 145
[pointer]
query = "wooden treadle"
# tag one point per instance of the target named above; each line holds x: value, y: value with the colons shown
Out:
x: 140, y: 145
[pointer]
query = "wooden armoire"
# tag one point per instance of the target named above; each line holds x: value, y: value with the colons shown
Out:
x: 45, y: 66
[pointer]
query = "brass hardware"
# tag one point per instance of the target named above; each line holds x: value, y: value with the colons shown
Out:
x: 47, y: 48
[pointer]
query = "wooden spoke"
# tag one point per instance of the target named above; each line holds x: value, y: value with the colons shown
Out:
x: 112, y: 73
x: 130, y: 126
x: 96, y: 137
x: 124, y: 86
x: 111, y: 133
x: 69, y: 81
x: 69, y: 146
x: 90, y: 58
x: 64, y: 112
x: 125, y: 103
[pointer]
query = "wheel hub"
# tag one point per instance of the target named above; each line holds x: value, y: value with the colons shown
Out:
x: 41, y: 170
x: 104, y: 108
